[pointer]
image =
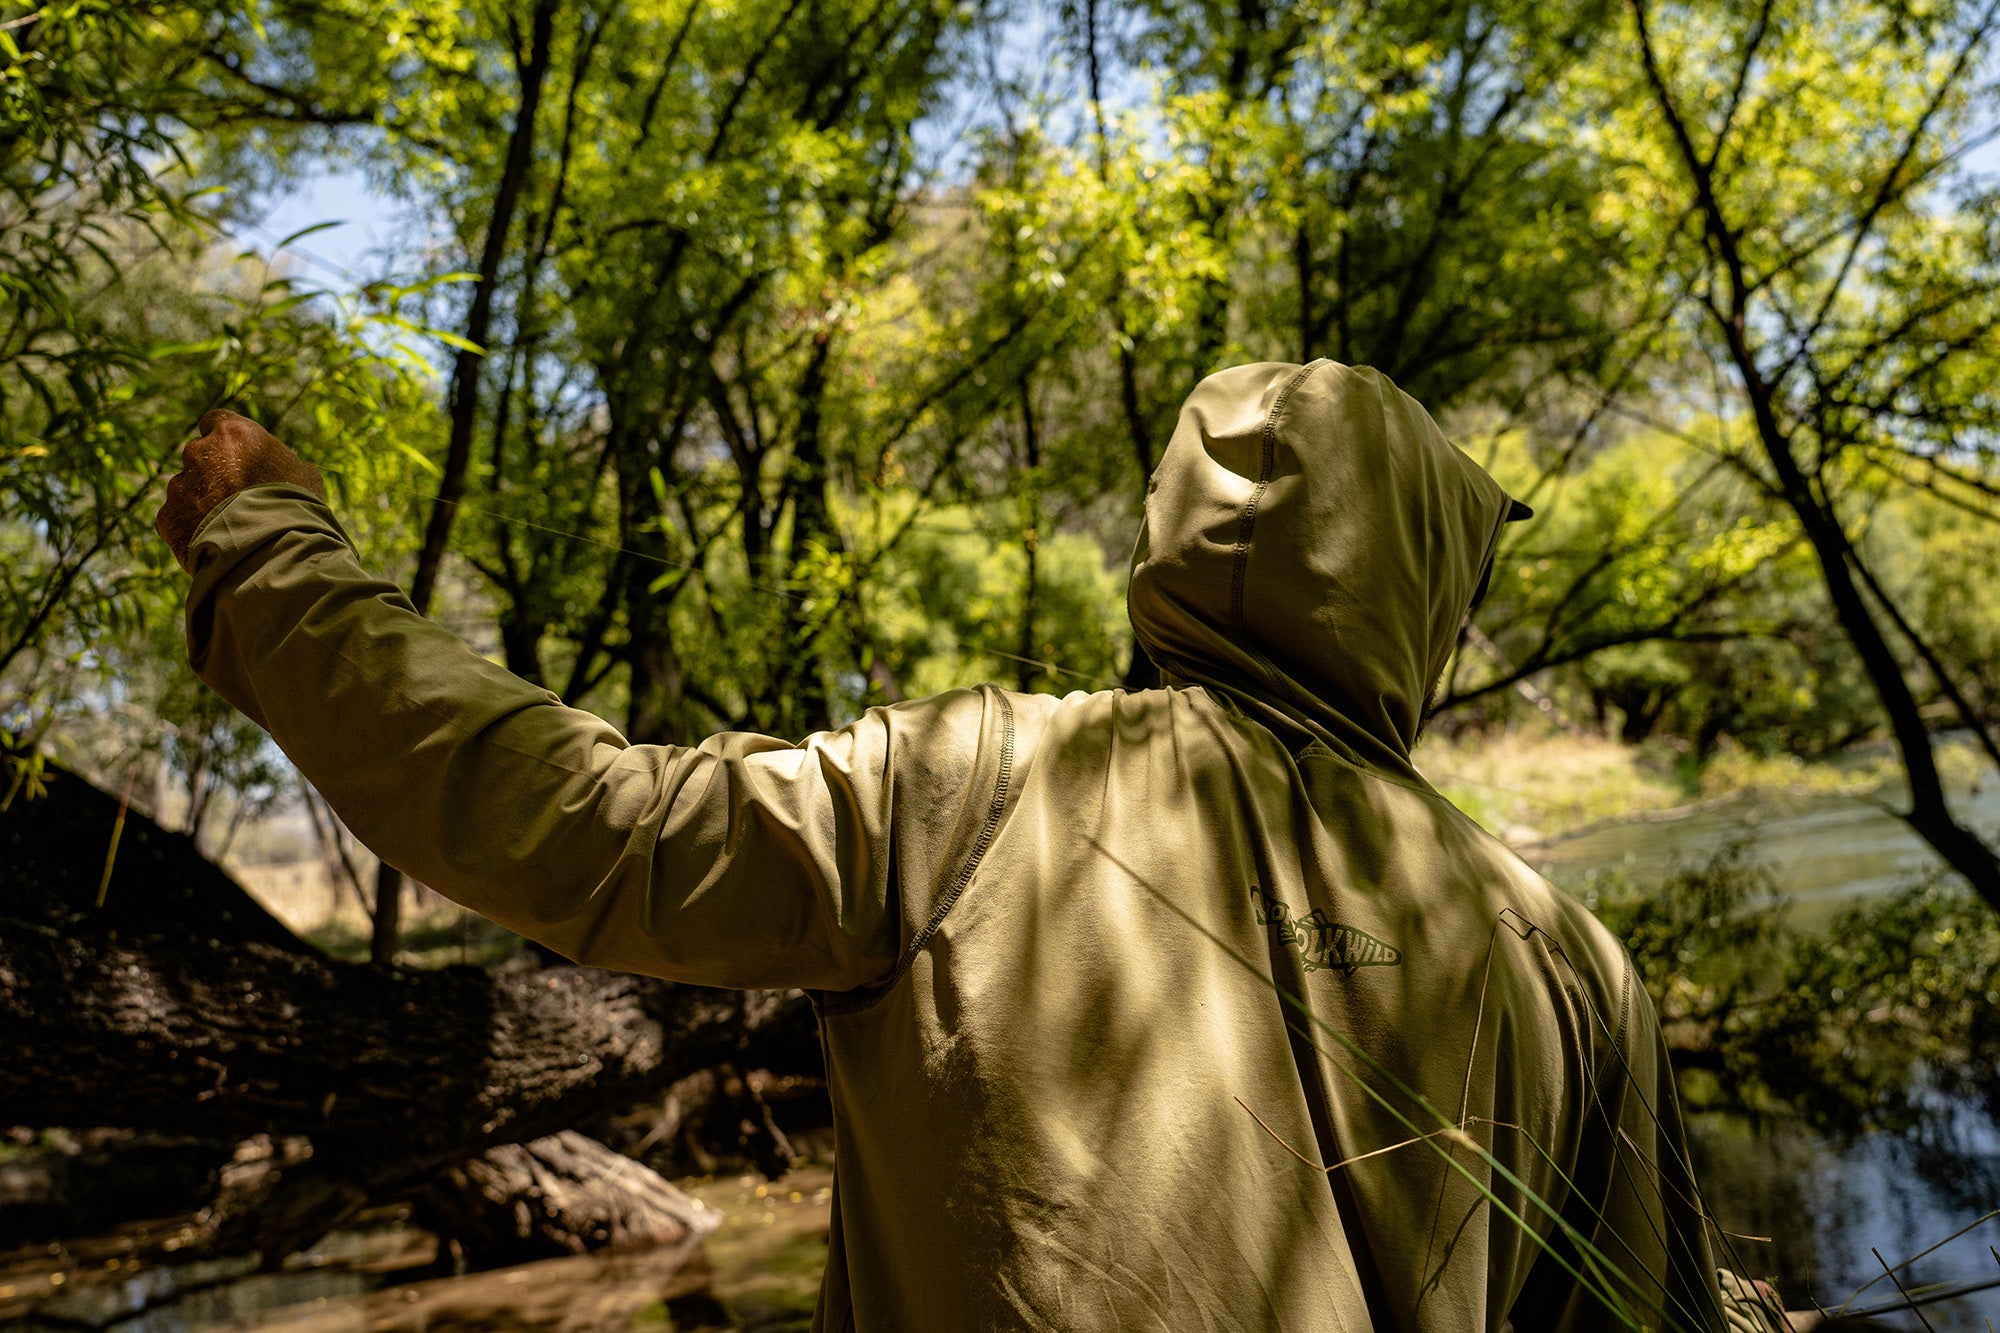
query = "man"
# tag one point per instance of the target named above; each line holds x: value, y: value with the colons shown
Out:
x: 1193, y: 1008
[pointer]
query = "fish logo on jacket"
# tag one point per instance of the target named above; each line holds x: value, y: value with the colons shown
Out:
x: 1323, y: 944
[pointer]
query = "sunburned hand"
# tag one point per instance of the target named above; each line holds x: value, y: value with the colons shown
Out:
x: 232, y: 452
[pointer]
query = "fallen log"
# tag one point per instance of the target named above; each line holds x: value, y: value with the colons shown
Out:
x: 181, y: 1008
x: 210, y: 1038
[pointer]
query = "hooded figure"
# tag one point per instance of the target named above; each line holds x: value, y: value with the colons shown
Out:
x: 1190, y: 1008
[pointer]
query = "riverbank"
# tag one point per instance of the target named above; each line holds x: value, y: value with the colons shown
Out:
x: 1535, y: 787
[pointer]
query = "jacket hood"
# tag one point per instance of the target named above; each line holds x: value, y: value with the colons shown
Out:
x: 1310, y: 547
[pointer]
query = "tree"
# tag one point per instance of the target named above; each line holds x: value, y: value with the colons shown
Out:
x: 121, y: 321
x: 1804, y: 165
x: 1397, y: 186
x: 1649, y: 547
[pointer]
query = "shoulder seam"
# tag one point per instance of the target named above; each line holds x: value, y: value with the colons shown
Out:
x: 1624, y: 1002
x: 1002, y: 785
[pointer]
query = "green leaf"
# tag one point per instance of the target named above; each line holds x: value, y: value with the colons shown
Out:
x: 462, y: 343
x: 416, y: 456
x: 304, y: 232
x: 214, y: 344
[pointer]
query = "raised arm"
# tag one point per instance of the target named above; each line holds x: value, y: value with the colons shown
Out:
x: 744, y: 861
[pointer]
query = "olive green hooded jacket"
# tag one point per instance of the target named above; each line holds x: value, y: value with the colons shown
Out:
x: 1183, y: 1009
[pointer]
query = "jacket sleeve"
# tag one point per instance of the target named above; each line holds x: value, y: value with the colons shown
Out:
x: 744, y: 861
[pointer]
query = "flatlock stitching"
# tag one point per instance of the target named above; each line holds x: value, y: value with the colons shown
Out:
x: 994, y: 810
x: 1624, y: 1006
x: 1248, y: 523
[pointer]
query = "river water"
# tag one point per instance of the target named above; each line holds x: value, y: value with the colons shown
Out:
x: 1822, y: 851
x: 1825, y: 1207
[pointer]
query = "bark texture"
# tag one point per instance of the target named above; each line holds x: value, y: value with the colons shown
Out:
x: 565, y: 1194
x: 412, y: 1070
x: 181, y: 1008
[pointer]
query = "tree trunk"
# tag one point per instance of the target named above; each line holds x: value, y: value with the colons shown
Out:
x: 521, y: 642
x: 386, y: 933
x: 565, y: 1194
x: 1930, y: 815
x: 799, y: 698
x: 466, y: 366
x: 1026, y: 670
x: 656, y: 713
x: 465, y: 373
x: 53, y: 852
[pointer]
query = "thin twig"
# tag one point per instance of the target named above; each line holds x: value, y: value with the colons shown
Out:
x: 1921, y: 1316
x: 1454, y: 1132
x: 1922, y: 1253
x: 111, y: 852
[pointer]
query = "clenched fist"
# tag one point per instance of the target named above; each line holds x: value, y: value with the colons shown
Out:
x: 232, y: 452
